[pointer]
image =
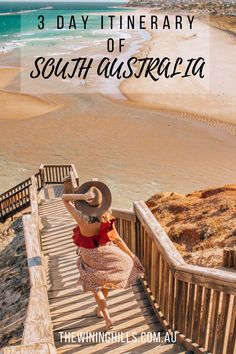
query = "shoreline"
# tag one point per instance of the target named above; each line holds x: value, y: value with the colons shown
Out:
x: 228, y: 127
x: 30, y: 106
x: 104, y: 136
x: 226, y: 25
x: 220, y: 118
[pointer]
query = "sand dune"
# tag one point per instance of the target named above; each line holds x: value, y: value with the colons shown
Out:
x: 16, y: 106
x: 7, y: 76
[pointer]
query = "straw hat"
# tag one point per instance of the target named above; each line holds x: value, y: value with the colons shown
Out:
x: 99, y: 204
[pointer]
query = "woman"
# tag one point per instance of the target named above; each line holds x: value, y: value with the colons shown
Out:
x: 104, y: 262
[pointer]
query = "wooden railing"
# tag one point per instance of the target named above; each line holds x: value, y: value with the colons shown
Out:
x: 229, y: 257
x: 14, y: 200
x: 37, y: 333
x: 70, y: 183
x: 56, y: 173
x: 197, y: 303
x: 18, y: 198
x: 126, y: 226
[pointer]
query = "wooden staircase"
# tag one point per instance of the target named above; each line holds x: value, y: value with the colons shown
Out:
x: 196, y: 303
x: 73, y: 311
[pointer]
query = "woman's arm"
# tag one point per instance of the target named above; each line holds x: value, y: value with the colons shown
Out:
x: 121, y: 244
x: 69, y: 198
x: 73, y: 197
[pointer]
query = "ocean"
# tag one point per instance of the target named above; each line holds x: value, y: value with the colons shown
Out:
x: 18, y: 22
x: 19, y: 32
x: 135, y: 150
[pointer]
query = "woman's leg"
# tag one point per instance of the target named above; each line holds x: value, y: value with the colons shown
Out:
x: 105, y: 293
x: 101, y: 301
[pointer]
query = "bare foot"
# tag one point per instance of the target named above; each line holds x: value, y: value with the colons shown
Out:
x: 109, y: 325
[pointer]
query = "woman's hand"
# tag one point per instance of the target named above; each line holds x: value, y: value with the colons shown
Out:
x: 138, y: 264
x: 89, y: 196
x: 132, y: 256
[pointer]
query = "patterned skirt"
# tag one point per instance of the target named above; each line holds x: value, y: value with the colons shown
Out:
x: 107, y: 267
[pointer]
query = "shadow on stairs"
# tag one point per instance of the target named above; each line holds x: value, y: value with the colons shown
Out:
x: 136, y: 327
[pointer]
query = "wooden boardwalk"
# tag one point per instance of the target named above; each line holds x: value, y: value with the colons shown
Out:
x: 197, y: 303
x: 74, y: 311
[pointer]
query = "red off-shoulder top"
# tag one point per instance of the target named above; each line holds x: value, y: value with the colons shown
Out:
x: 101, y: 238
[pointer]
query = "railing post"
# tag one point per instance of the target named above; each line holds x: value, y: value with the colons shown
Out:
x: 1, y: 213
x: 75, y: 174
x: 229, y: 257
x: 34, y: 199
x: 134, y: 233
x: 17, y: 198
x: 67, y: 185
x: 34, y: 205
x: 41, y: 171
x: 37, y: 324
x: 137, y: 234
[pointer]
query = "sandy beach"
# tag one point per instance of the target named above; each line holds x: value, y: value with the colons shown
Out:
x: 171, y: 139
x: 136, y: 151
x: 212, y: 99
x: 140, y: 146
x: 20, y: 106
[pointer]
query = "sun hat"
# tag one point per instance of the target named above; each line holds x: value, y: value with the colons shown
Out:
x: 99, y: 204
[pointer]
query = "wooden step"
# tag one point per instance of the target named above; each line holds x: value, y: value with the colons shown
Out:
x: 124, y: 347
x: 74, y: 311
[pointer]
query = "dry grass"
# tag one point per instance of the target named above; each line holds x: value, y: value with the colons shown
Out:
x: 200, y: 224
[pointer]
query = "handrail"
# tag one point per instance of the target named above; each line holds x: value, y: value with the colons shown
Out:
x: 127, y: 214
x: 37, y: 333
x: 195, y: 302
x: 125, y: 224
x: 167, y: 248
x: 14, y: 189
x: 15, y: 193
x: 158, y: 235
x: 17, y: 198
x: 14, y: 203
x: 218, y: 279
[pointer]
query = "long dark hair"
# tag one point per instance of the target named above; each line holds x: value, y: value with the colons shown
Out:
x: 93, y: 219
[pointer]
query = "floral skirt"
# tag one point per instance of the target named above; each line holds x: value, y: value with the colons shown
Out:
x: 107, y: 267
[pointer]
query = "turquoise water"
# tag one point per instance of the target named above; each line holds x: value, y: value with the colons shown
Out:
x: 18, y: 22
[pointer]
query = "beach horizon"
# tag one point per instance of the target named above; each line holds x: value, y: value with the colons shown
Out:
x: 195, y: 145
x: 212, y: 107
x: 138, y: 104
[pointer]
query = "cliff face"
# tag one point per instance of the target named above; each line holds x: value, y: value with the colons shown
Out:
x: 14, y: 285
x: 220, y: 7
x: 200, y: 224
